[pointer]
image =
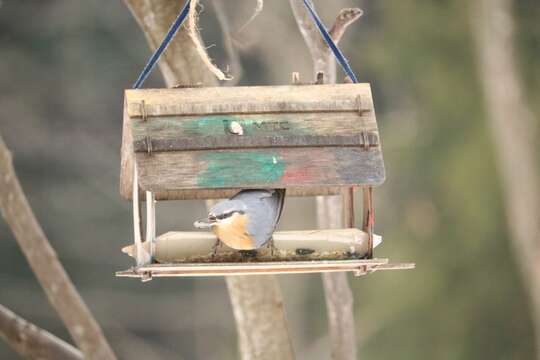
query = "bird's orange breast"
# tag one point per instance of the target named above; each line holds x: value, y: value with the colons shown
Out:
x: 234, y: 233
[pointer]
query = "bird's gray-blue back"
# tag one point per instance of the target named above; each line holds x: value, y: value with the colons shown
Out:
x: 264, y: 207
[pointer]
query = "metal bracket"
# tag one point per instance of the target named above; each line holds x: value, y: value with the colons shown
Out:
x: 295, y: 78
x: 143, y: 111
x: 365, y: 140
x: 148, y: 142
x: 362, y: 104
x: 320, y: 78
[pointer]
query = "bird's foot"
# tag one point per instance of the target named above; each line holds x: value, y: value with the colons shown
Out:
x: 215, y: 248
x: 248, y: 254
x: 271, y: 245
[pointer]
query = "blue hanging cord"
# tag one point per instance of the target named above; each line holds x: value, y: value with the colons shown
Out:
x: 331, y: 44
x: 166, y: 41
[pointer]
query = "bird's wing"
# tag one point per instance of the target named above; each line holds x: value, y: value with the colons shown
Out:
x: 265, y: 206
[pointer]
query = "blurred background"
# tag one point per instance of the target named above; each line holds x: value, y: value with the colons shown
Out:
x: 63, y: 67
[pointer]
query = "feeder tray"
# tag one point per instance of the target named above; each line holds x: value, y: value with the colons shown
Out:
x: 210, y: 143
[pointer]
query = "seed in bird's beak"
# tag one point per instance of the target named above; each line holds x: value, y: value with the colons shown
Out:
x: 204, y: 224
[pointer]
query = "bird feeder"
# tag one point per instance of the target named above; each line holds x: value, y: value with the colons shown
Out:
x: 209, y: 143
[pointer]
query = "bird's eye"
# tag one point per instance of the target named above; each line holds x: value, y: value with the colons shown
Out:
x: 225, y: 215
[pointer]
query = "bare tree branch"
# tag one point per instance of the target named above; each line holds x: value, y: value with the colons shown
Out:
x: 338, y: 295
x: 320, y: 53
x: 32, y: 342
x: 345, y: 18
x: 183, y: 65
x: 256, y: 12
x: 45, y: 264
x: 514, y: 132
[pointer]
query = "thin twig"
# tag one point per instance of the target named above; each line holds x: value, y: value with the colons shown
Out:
x: 32, y: 342
x: 256, y: 12
x: 196, y: 38
x: 230, y: 49
x: 45, y: 264
x: 345, y: 18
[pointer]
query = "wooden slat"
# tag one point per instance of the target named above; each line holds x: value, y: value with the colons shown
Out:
x: 359, y: 267
x: 253, y: 99
x: 225, y: 193
x: 179, y: 133
x: 275, y: 168
x: 149, y: 145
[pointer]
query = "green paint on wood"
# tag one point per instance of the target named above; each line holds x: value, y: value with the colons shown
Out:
x: 217, y: 125
x: 232, y: 169
x: 206, y: 126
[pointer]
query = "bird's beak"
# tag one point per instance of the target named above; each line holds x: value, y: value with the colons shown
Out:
x: 204, y: 224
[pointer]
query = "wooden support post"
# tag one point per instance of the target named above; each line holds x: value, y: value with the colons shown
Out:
x: 151, y: 223
x: 348, y: 207
x: 142, y: 256
x: 367, y: 225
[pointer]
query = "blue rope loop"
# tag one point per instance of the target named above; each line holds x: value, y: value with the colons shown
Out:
x: 341, y: 59
x: 163, y: 46
x: 173, y: 30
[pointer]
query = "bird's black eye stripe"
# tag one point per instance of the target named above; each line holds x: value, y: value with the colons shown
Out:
x: 228, y: 214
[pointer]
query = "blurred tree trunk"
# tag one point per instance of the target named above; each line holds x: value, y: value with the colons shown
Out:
x: 338, y: 294
x: 256, y: 300
x: 44, y: 262
x: 514, y: 131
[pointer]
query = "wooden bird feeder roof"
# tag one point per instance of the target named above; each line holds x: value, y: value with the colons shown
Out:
x: 199, y: 143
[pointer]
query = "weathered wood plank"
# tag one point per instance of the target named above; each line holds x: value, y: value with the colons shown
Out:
x: 275, y: 168
x: 205, y: 194
x: 127, y: 157
x: 178, y: 133
x: 358, y: 267
x: 317, y: 123
x: 252, y: 99
x: 228, y: 269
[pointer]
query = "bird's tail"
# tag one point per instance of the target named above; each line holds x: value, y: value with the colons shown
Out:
x: 281, y: 202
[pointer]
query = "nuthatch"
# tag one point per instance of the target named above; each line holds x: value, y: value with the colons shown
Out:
x: 247, y: 220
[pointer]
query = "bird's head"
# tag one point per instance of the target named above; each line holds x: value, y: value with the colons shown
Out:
x: 223, y: 213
